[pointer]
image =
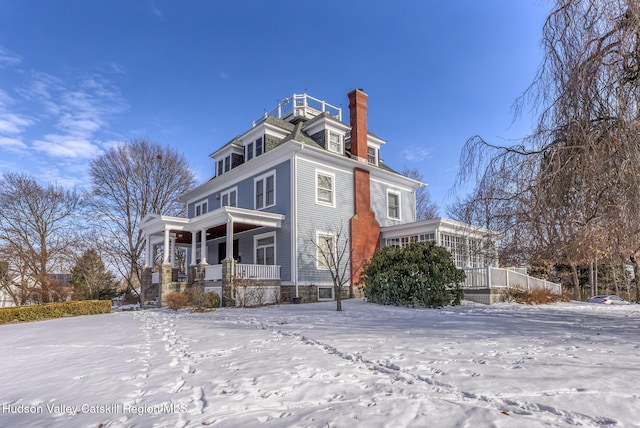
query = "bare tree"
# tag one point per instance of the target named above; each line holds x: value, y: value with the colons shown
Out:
x: 425, y: 207
x: 36, y: 223
x: 333, y: 253
x: 573, y: 182
x: 130, y: 181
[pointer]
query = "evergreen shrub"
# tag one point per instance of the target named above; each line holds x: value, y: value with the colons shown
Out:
x: 422, y: 274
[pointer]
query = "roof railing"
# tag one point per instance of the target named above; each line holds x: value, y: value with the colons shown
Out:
x: 300, y: 105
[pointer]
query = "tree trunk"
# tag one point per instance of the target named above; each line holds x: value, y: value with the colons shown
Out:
x: 576, y: 281
x: 636, y: 276
x: 338, y: 298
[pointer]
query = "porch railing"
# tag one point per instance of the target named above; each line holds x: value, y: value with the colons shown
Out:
x: 214, y: 272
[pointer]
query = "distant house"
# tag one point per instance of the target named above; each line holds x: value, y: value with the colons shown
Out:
x: 16, y: 288
x: 281, y: 186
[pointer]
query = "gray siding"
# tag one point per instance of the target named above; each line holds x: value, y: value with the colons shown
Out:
x: 379, y: 204
x: 313, y: 217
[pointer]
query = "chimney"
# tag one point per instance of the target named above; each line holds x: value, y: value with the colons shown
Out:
x: 358, y: 119
x: 365, y: 229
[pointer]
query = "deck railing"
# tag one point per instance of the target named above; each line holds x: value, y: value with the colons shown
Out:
x: 505, y: 277
x: 300, y: 105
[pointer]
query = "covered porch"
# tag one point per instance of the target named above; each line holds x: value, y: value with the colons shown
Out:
x: 205, y: 249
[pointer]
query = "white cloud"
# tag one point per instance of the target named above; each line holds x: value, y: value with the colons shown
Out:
x: 12, y: 123
x: 416, y: 154
x: 64, y: 146
x: 8, y: 58
x: 13, y: 144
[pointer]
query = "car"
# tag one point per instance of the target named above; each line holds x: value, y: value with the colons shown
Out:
x: 610, y: 299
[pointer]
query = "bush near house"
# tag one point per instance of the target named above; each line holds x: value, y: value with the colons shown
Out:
x: 177, y: 300
x: 539, y: 296
x: 54, y: 310
x: 421, y: 274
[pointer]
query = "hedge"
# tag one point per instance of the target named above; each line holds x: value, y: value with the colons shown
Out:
x: 54, y: 310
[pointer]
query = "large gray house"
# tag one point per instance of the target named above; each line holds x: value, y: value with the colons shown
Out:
x: 295, y: 178
x: 298, y: 174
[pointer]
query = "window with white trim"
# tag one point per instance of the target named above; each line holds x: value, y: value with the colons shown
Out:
x: 265, y: 191
x: 372, y: 155
x: 201, y: 208
x: 249, y: 151
x: 229, y: 198
x: 393, y: 205
x: 265, y: 249
x: 227, y: 163
x: 259, y: 147
x: 325, y: 250
x: 220, y: 167
x: 335, y: 142
x: 325, y: 188
x: 325, y: 293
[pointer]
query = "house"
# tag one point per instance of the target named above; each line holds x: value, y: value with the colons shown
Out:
x: 289, y: 180
x: 295, y: 178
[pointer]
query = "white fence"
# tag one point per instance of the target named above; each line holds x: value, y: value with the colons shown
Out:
x: 477, y: 278
x: 214, y: 272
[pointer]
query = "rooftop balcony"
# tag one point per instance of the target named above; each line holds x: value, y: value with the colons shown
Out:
x: 300, y: 106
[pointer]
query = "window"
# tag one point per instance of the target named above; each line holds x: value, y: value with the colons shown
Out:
x: 259, y: 147
x: 325, y: 293
x: 249, y: 151
x: 393, y: 205
x: 265, y: 191
x: 220, y: 167
x: 372, y: 155
x: 201, y: 208
x: 265, y: 249
x: 335, y: 142
x: 325, y: 251
x: 229, y: 198
x: 324, y: 188
x: 227, y: 163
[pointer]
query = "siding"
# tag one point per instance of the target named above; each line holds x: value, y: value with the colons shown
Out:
x: 379, y: 204
x: 313, y: 217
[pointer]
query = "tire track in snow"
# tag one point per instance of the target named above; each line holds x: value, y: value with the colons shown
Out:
x: 450, y: 393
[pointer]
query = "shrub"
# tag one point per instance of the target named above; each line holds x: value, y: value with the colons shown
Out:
x: 212, y: 300
x: 421, y: 274
x: 201, y: 300
x: 54, y: 310
x: 176, y: 300
x: 538, y: 296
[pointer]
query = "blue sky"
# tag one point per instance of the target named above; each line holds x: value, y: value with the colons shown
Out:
x: 77, y: 76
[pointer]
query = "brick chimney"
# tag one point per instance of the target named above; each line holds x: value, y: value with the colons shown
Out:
x: 365, y: 230
x: 358, y: 118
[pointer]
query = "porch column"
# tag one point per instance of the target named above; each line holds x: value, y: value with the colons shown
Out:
x: 165, y: 258
x: 193, y: 248
x: 229, y: 238
x: 172, y: 251
x: 147, y: 250
x: 203, y: 247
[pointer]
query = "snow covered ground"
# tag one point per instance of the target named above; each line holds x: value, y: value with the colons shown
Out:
x: 306, y: 365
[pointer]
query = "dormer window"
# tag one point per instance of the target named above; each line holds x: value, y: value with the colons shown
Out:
x: 259, y: 147
x: 249, y: 151
x: 372, y: 155
x: 335, y: 142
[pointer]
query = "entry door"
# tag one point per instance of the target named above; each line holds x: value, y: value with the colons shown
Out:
x: 222, y: 251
